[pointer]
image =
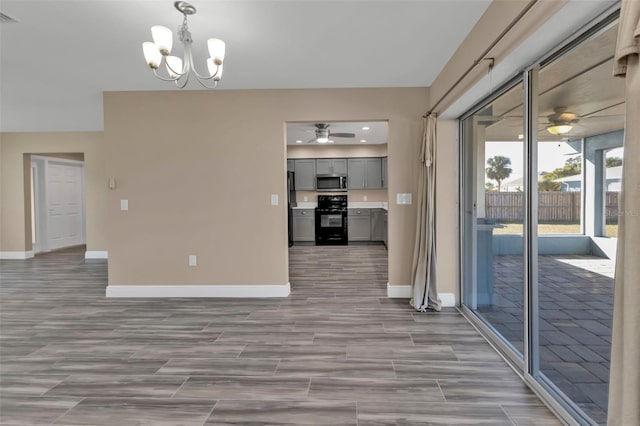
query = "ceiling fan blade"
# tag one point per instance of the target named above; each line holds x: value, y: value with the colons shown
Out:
x: 312, y: 140
x: 343, y: 135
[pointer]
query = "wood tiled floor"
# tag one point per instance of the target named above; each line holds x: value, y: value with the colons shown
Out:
x: 336, y: 352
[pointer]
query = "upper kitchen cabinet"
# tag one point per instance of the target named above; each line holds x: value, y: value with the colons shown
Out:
x: 364, y: 173
x: 305, y: 174
x: 331, y: 166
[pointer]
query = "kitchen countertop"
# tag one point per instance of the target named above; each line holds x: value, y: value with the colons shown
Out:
x: 356, y: 205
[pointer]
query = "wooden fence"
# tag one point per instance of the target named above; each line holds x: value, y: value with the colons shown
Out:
x: 553, y: 207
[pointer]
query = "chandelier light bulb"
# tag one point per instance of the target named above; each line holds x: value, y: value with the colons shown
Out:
x: 163, y: 38
x: 216, y: 50
x: 215, y: 71
x: 174, y: 66
x: 151, y: 54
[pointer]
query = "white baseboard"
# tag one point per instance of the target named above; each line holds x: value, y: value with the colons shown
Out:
x: 199, y: 290
x: 16, y: 255
x: 404, y: 292
x: 96, y: 254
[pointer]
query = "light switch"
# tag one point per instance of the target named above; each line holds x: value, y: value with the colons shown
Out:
x: 274, y: 199
x: 364, y: 198
x: 407, y: 198
x: 193, y: 260
x: 404, y: 198
x: 305, y: 198
x: 124, y: 205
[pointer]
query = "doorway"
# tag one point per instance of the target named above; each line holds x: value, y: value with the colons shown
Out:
x: 338, y: 170
x: 57, y: 201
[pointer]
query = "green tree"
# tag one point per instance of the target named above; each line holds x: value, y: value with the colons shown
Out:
x: 499, y: 169
x: 572, y: 166
x: 613, y: 162
x: 490, y: 187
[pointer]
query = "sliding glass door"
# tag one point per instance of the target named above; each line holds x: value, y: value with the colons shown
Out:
x: 540, y: 162
x: 493, y: 209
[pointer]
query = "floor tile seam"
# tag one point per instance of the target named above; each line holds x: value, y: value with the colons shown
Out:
x: 513, y: 422
x: 180, y: 387
x: 55, y: 421
x: 206, y: 419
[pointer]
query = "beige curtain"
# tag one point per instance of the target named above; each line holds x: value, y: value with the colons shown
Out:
x: 624, y: 383
x: 423, y: 276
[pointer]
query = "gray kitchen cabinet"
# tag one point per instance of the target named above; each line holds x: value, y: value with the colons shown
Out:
x: 364, y: 173
x: 384, y: 172
x: 359, y: 224
x: 377, y: 224
x: 291, y: 166
x: 305, y: 174
x: 304, y: 225
x: 373, y: 173
x: 331, y: 166
x: 386, y: 228
x: 355, y: 176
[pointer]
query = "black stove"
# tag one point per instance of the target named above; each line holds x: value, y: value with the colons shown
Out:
x: 331, y: 220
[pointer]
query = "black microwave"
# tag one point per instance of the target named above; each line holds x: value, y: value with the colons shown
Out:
x: 331, y: 183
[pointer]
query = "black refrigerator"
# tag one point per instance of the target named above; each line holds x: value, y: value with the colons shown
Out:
x: 291, y: 202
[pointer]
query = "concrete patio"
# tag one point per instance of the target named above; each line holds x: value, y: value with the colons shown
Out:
x: 576, y: 306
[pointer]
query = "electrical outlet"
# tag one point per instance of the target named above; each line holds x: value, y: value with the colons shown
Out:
x: 364, y: 198
x: 193, y: 260
x: 274, y: 199
x: 124, y: 205
x: 305, y: 198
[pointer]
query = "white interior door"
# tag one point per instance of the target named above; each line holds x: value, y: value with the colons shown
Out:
x: 64, y: 205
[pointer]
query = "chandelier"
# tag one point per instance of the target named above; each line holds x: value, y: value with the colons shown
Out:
x: 180, y: 70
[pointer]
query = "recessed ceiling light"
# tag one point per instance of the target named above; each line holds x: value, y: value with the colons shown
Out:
x: 365, y: 128
x: 298, y: 141
x: 363, y: 140
x: 330, y: 141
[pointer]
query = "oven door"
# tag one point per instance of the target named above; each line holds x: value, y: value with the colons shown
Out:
x: 331, y: 227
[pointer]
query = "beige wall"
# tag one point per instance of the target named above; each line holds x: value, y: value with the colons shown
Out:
x: 15, y: 230
x: 198, y: 169
x: 447, y: 207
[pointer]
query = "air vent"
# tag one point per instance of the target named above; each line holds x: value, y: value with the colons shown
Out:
x: 6, y: 19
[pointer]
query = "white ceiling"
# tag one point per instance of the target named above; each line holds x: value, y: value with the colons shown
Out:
x: 372, y: 132
x: 61, y: 55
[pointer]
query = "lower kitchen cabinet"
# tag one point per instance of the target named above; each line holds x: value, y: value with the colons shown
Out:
x: 377, y: 224
x: 359, y: 224
x: 304, y: 225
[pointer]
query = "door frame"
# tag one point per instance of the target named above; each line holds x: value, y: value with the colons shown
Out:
x: 41, y: 163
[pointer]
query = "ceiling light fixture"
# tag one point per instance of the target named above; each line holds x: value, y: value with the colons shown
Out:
x: 179, y: 70
x: 363, y: 140
x: 365, y: 128
x: 559, y: 129
x: 330, y: 141
x: 298, y: 141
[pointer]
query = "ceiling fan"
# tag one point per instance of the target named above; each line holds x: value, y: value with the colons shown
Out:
x: 561, y: 121
x: 323, y: 134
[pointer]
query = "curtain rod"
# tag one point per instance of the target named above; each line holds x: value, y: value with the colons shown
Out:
x: 482, y: 58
